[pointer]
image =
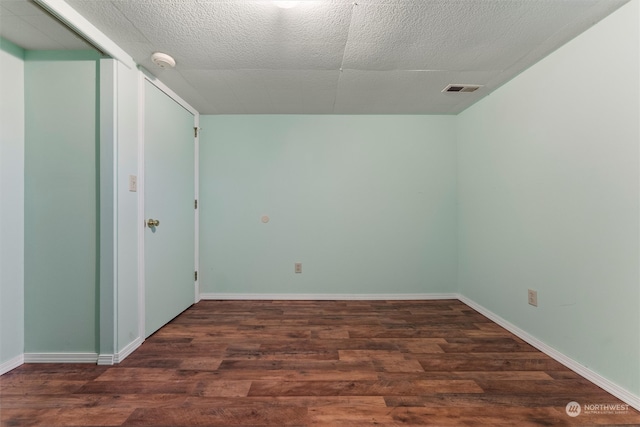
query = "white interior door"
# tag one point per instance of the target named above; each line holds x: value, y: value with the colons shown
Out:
x: 169, y: 194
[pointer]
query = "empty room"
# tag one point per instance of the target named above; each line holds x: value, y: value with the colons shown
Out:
x: 319, y: 212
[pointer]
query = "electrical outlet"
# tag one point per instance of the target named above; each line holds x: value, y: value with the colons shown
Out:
x: 298, y: 267
x: 533, y: 297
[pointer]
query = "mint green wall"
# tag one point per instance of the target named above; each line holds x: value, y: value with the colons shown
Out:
x: 127, y: 205
x: 11, y: 201
x: 549, y: 199
x: 60, y: 202
x: 366, y: 203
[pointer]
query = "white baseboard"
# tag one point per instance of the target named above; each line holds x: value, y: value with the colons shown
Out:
x: 99, y: 359
x: 11, y: 364
x: 61, y: 358
x: 129, y: 348
x: 332, y: 297
x: 105, y: 359
x: 607, y: 385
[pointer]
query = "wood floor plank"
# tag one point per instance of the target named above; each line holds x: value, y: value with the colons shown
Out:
x: 35, y: 386
x: 63, y: 417
x: 332, y: 365
x: 362, y: 388
x: 566, y: 388
x: 484, y: 347
x: 224, y: 388
x: 138, y: 387
x: 25, y: 417
x: 159, y: 361
x: 55, y: 371
x: 139, y: 374
x: 288, y: 401
x: 314, y: 363
x: 200, y: 363
x: 301, y: 354
x: 219, y: 416
x: 355, y: 416
x: 467, y: 375
x: 257, y: 374
x: 319, y: 345
x: 95, y: 416
x: 488, y: 362
x: 477, y: 400
x: 131, y: 401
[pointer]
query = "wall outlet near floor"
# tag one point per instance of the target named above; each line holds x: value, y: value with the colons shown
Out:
x: 298, y: 267
x: 533, y: 297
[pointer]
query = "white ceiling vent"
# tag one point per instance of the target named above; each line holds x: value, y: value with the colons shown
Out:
x: 461, y: 88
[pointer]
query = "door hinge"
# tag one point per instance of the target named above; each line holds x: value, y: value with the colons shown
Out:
x: 195, y: 205
x: 195, y: 132
x: 195, y: 276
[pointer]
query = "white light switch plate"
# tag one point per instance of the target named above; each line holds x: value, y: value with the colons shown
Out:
x: 133, y: 183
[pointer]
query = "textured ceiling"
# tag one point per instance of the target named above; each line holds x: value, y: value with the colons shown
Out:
x: 339, y: 56
x: 25, y: 24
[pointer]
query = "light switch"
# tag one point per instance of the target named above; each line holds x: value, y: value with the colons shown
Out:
x: 133, y: 183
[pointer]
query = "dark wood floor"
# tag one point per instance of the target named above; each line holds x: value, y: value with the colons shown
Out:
x: 296, y: 363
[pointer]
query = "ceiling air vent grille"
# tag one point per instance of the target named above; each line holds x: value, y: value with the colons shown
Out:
x: 461, y: 88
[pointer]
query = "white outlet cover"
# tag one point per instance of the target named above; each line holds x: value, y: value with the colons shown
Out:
x: 532, y: 297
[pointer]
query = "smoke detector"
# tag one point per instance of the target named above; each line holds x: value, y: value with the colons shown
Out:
x: 163, y: 60
x: 461, y: 88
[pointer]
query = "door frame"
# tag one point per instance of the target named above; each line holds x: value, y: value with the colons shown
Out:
x: 146, y: 76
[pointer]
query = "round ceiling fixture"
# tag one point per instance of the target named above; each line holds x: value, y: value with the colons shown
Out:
x: 163, y: 60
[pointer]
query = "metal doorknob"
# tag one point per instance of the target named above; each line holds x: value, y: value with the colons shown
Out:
x: 153, y: 223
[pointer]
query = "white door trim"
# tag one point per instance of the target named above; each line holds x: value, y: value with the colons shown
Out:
x: 141, y: 264
x: 145, y: 76
x: 196, y: 188
x: 170, y: 93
